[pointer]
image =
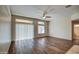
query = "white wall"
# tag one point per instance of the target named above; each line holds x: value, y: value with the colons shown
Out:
x: 60, y: 26
x: 5, y: 29
x: 75, y: 16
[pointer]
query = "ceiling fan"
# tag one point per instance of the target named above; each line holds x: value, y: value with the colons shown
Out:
x: 45, y: 15
x: 45, y: 12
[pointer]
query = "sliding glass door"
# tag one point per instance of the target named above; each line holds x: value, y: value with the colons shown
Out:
x: 24, y: 30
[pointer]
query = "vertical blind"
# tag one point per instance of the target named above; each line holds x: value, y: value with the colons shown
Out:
x: 24, y: 31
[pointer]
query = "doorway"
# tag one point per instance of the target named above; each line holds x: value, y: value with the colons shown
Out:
x: 75, y: 31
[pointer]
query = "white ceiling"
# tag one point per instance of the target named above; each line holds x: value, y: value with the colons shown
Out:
x: 35, y: 11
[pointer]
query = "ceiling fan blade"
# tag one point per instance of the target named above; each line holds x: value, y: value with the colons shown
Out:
x: 48, y: 17
x: 44, y: 13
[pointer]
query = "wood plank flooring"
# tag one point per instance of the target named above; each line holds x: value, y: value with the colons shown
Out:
x: 76, y: 41
x: 45, y: 45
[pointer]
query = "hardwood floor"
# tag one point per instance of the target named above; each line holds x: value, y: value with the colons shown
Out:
x: 45, y: 45
x: 76, y: 41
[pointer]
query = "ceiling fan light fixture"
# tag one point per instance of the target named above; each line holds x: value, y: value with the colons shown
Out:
x: 44, y: 17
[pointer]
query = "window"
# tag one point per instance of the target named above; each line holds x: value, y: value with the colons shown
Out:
x: 41, y: 27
